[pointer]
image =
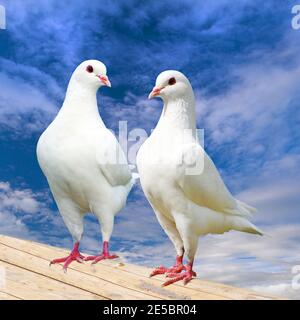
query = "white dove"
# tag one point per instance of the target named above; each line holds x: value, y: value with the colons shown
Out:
x: 181, y: 182
x: 84, y: 164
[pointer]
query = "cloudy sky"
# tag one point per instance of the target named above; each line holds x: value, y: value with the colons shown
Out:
x: 243, y: 60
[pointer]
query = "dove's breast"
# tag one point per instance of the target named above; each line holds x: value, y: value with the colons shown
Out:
x: 159, y: 172
x: 68, y: 161
x: 58, y: 150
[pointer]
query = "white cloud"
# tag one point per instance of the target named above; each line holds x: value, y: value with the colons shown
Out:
x: 277, y: 248
x: 27, y: 98
x: 280, y: 290
x: 11, y: 202
x: 252, y: 123
x: 26, y: 214
x: 17, y: 200
x: 137, y: 110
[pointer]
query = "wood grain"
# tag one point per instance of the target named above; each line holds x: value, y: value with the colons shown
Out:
x: 29, y: 276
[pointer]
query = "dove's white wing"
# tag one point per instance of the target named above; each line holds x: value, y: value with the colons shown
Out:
x: 204, y: 186
x: 112, y: 161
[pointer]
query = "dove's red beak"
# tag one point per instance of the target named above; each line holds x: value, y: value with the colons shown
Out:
x: 155, y: 92
x: 105, y: 80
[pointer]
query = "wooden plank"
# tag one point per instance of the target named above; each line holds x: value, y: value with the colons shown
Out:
x: 197, y: 284
x: 208, y: 287
x: 73, y: 277
x: 137, y: 277
x: 115, y: 275
x: 25, y: 284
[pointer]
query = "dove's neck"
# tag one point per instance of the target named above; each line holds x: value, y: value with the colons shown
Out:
x: 179, y: 113
x: 80, y: 103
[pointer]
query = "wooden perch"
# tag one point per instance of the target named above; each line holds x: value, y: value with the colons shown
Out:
x: 25, y: 265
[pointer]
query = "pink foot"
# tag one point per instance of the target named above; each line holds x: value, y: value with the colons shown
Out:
x: 186, y: 276
x: 104, y: 255
x: 177, y: 268
x: 74, y: 256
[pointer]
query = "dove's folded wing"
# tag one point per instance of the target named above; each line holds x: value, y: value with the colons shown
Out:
x: 204, y: 185
x: 112, y: 161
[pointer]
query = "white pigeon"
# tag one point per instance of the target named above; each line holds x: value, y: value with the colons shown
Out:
x: 181, y: 182
x: 84, y: 164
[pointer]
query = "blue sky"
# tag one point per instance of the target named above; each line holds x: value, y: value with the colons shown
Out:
x: 243, y: 60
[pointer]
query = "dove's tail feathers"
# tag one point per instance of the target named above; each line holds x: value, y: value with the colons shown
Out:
x: 242, y: 209
x: 243, y: 225
x: 247, y: 207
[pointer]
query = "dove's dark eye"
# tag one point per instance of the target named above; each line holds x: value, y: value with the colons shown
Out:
x: 89, y: 69
x: 172, y: 81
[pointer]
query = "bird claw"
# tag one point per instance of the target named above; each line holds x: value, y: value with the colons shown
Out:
x: 171, y: 275
x: 163, y: 270
x: 75, y: 255
x: 176, y: 269
x: 68, y: 260
x: 175, y: 274
x: 187, y: 276
x: 103, y: 256
x: 158, y: 270
x: 79, y: 259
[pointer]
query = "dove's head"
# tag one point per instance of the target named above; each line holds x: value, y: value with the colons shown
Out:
x: 171, y: 85
x: 91, y: 74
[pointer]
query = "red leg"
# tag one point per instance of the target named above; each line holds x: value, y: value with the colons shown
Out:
x: 185, y: 276
x: 74, y: 256
x: 104, y: 255
x: 177, y: 268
